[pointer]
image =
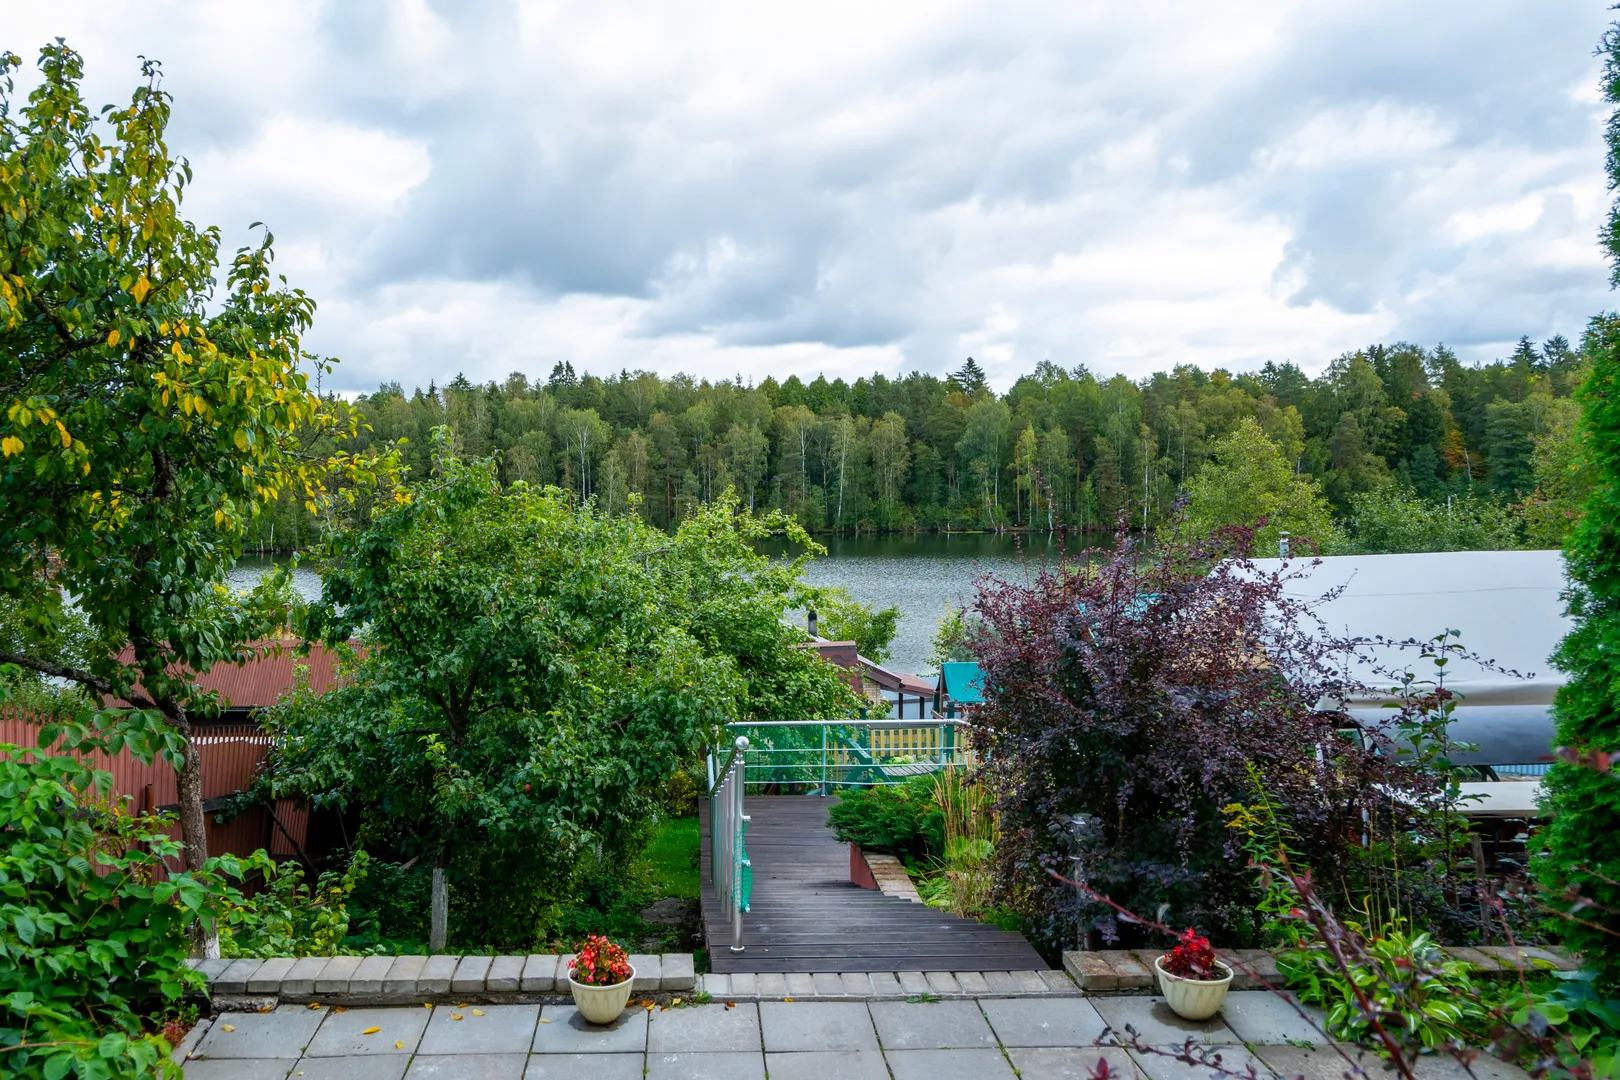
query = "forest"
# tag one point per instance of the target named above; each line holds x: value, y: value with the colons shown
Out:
x: 1062, y: 447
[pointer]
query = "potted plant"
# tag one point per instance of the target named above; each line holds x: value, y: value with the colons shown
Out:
x: 600, y: 976
x: 1194, y: 983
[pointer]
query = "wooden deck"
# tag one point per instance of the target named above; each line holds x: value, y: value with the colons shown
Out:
x: 806, y: 916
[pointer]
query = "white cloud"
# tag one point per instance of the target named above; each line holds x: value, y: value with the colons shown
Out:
x: 730, y: 187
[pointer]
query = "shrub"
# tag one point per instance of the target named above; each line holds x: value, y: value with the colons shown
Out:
x: 93, y: 938
x: 289, y: 918
x: 900, y: 819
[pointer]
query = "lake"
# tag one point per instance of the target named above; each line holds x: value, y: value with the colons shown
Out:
x: 922, y: 575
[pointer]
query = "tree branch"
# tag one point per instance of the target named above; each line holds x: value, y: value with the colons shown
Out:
x: 83, y: 678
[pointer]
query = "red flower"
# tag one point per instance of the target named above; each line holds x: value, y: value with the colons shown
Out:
x: 1192, y: 958
x: 599, y: 962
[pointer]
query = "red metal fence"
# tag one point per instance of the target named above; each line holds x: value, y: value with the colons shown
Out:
x: 231, y: 754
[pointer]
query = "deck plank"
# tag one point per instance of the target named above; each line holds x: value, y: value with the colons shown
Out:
x: 805, y: 915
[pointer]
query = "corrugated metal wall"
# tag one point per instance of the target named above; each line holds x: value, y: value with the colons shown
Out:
x: 230, y: 754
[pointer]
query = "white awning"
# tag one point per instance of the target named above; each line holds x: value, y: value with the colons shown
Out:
x: 1502, y: 798
x: 1508, y: 605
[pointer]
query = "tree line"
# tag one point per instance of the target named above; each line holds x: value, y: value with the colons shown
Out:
x: 1061, y: 447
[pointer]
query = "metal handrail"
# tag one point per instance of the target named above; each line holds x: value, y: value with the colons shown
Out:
x: 852, y: 752
x: 731, y: 870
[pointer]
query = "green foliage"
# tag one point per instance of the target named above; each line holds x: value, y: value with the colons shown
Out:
x: 150, y: 418
x: 843, y: 618
x: 1407, y: 981
x: 288, y: 917
x: 1562, y: 482
x: 91, y: 935
x: 672, y: 856
x: 1392, y: 519
x: 1248, y: 480
x: 1570, y: 1005
x: 389, y: 907
x: 900, y: 819
x: 953, y: 640
x: 535, y: 673
x: 1579, y: 860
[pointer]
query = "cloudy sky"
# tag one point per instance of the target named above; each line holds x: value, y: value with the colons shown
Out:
x: 768, y: 188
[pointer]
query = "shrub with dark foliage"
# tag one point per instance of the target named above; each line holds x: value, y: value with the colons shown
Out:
x: 1127, y: 700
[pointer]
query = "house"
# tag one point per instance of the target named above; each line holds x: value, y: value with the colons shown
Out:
x: 960, y: 687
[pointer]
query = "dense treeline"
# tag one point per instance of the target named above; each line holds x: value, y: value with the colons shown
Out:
x: 1060, y: 447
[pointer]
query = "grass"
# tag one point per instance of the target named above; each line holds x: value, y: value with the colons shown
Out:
x: 672, y: 857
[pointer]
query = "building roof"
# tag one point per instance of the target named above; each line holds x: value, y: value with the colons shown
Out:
x: 962, y: 682
x: 264, y: 680
x: 1507, y: 604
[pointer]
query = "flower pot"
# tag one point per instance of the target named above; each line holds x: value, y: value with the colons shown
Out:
x: 1193, y: 999
x: 601, y: 1004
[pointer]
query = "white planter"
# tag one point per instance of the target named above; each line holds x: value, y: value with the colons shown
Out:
x: 601, y: 1004
x: 1193, y: 999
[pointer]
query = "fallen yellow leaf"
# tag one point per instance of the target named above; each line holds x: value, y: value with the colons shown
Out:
x: 787, y: 999
x: 677, y: 1001
x: 339, y: 1008
x: 427, y: 1004
x: 398, y: 1045
x: 268, y: 1008
x: 543, y: 1020
x: 371, y: 1031
x: 314, y: 1004
x: 227, y: 1027
x: 455, y: 1016
x: 478, y: 1012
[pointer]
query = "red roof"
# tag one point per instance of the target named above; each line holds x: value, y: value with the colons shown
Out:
x: 265, y: 679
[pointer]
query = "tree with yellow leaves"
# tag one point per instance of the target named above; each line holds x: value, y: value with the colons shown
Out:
x: 148, y: 418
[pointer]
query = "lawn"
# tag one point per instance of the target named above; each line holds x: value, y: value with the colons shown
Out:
x: 673, y: 857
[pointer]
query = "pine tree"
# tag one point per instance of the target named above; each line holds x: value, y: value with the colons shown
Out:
x: 1578, y: 852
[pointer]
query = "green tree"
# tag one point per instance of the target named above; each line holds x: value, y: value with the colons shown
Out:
x: 1563, y: 483
x: 1248, y: 480
x: 1395, y: 520
x: 844, y: 618
x: 150, y: 419
x: 535, y: 670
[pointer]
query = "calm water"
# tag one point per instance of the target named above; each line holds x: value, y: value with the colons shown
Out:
x: 921, y: 575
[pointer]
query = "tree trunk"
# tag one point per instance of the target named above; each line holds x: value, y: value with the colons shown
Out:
x: 439, y: 917
x: 193, y: 825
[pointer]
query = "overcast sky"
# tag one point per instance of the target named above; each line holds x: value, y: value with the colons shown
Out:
x: 769, y: 188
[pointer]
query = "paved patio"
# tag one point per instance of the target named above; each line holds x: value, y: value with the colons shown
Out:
x: 975, y: 1039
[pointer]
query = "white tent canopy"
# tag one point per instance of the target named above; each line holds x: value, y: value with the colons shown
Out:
x: 1507, y: 604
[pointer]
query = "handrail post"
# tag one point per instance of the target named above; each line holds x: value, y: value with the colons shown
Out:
x: 739, y: 854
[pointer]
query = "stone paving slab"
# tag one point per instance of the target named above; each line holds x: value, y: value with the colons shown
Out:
x: 1043, y: 1038
x: 939, y: 1025
x: 1262, y: 1016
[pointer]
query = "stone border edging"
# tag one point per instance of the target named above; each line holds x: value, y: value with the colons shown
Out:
x: 1131, y: 970
x: 404, y: 980
x: 885, y: 985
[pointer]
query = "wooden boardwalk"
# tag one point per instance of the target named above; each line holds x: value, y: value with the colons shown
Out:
x: 806, y: 916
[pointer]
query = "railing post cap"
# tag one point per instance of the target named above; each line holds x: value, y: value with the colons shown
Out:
x: 742, y: 742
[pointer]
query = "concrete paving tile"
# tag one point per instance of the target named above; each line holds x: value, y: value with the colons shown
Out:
x: 402, y: 975
x: 280, y: 1034
x: 234, y: 979
x: 677, y: 971
x: 1043, y: 1021
x: 369, y: 1067
x: 539, y: 973
x: 744, y: 984
x: 828, y: 984
x: 300, y: 980
x: 801, y: 985
x: 267, y: 980
x: 972, y: 983
x: 816, y: 1025
x: 334, y: 977
x: 562, y: 1030
x: 484, y: 1029
x: 1320, y: 1062
x: 210, y: 968
x: 579, y: 1066
x: 1233, y: 1059
x: 1154, y: 1023
x: 937, y: 1025
x: 368, y: 977
x: 505, y: 974
x: 704, y: 1029
x: 1058, y: 981
x: 943, y: 983
x: 886, y: 985
x: 1070, y: 1062
x: 1260, y: 1016
x: 1028, y: 982
x: 470, y: 975
x: 948, y: 1065
x: 827, y: 1065
x: 913, y: 982
x: 717, y: 1066
x: 716, y: 986
x: 344, y: 1033
x: 649, y: 973
x: 773, y: 984
x: 249, y: 1069
x: 1483, y: 1067
x: 468, y: 1067
x: 857, y: 984
x: 1000, y: 982
x: 436, y: 974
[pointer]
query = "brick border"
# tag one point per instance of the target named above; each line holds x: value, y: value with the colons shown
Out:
x: 1131, y: 970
